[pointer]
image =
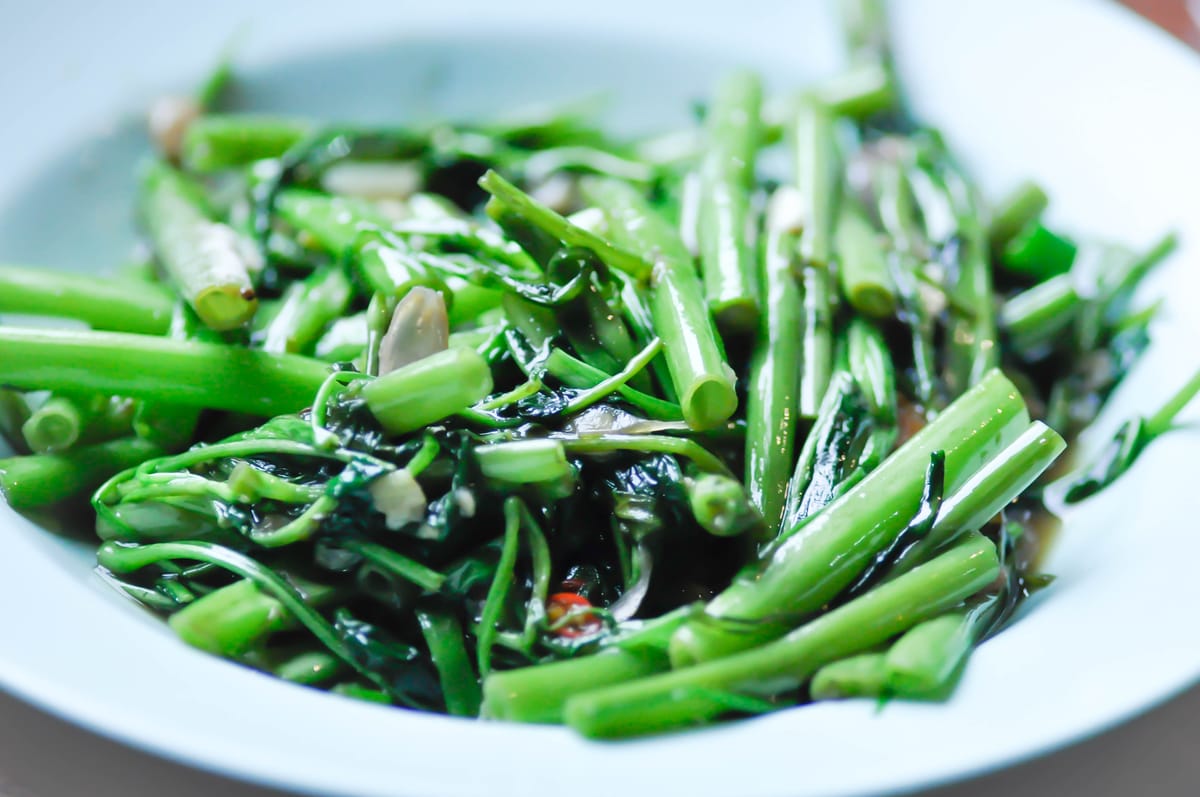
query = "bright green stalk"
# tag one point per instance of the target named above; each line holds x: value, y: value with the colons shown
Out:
x: 602, y: 390
x: 208, y: 262
x: 393, y: 272
x: 231, y: 620
x: 537, y: 694
x: 721, y: 507
x: 613, y: 254
x: 1161, y: 421
x: 497, y: 594
x: 428, y: 390
x: 65, y: 420
x: 524, y: 461
x: 224, y: 141
x: 54, y: 426
x: 862, y: 675
x: 460, y: 686
x: 727, y: 176
x: 658, y: 444
x: 309, y: 668
x: 575, y: 373
x: 1038, y: 252
x: 988, y: 490
x: 861, y: 91
x: 641, y: 322
x: 928, y: 658
x: 1038, y: 314
x: 308, y: 307
x: 973, y: 342
x: 40, y: 479
x: 344, y: 340
x: 693, y: 694
x: 469, y: 301
x: 335, y: 223
x: 772, y: 394
x: 1023, y: 206
x: 862, y: 265
x: 103, y: 303
x: 397, y: 564
x: 818, y: 177
x: 870, y: 362
x: 172, y: 371
x: 815, y: 564
x: 816, y: 339
x: 359, y: 692
x: 172, y: 426
x: 694, y: 352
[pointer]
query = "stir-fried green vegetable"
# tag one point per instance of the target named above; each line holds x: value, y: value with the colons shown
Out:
x: 531, y: 422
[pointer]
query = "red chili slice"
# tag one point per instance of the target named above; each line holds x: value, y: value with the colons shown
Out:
x: 581, y: 623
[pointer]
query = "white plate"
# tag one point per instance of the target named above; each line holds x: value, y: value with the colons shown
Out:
x: 1099, y: 107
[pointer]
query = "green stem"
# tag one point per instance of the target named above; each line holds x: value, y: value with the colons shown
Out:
x: 1161, y: 421
x: 607, y: 387
x: 309, y: 668
x: 870, y: 362
x: 613, y: 254
x: 816, y: 340
x: 524, y: 461
x: 649, y: 443
x: 1038, y: 314
x: 173, y: 371
x: 40, y: 479
x: 694, y: 352
x: 727, y: 175
x: 721, y: 506
x: 428, y: 390
x: 231, y: 620
x: 1023, y: 206
x: 818, y: 174
x: 988, y: 490
x: 812, y: 566
x: 65, y: 420
x: 114, y: 304
x: 308, y: 307
x: 929, y: 657
x: 537, y: 694
x: 772, y: 393
x: 397, y: 564
x: 497, y: 594
x: 682, y: 697
x: 861, y: 91
x: 575, y: 373
x: 335, y: 223
x: 974, y: 345
x: 208, y: 262
x: 460, y: 686
x: 862, y: 675
x: 866, y: 281
x: 223, y: 141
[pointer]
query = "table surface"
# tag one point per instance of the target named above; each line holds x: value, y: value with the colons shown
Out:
x: 42, y: 756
